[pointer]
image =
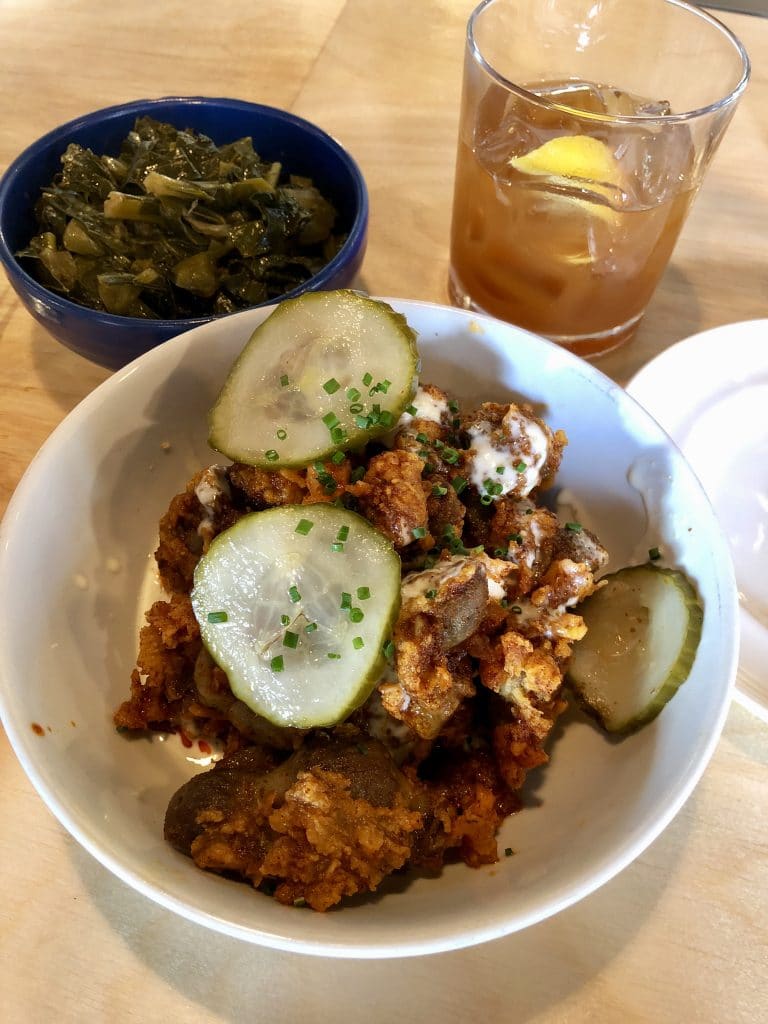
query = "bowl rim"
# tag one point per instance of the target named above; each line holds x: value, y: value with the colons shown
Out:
x: 612, y: 863
x: 17, y: 168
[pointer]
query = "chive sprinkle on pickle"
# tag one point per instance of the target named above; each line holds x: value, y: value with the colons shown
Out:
x: 331, y: 386
x: 290, y: 639
x: 284, y: 620
x: 293, y: 593
x: 217, y: 616
x: 573, y: 527
x: 277, y: 664
x: 654, y: 554
x: 284, y: 382
x: 358, y: 642
x: 304, y: 526
x: 363, y: 593
x: 272, y: 455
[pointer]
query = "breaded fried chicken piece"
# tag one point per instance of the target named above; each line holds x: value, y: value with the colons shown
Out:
x: 528, y: 678
x: 511, y: 437
x: 440, y: 608
x: 392, y: 496
x: 168, y: 647
x: 331, y: 821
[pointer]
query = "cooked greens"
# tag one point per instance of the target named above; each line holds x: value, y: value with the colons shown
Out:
x: 175, y: 226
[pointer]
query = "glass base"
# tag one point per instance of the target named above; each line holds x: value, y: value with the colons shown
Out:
x: 589, y: 346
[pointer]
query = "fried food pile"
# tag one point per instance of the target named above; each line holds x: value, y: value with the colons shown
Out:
x: 431, y: 765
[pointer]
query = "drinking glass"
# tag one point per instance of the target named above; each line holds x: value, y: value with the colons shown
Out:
x: 585, y: 131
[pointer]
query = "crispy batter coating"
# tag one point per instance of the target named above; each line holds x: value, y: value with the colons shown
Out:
x: 331, y: 821
x: 441, y: 608
x: 393, y: 497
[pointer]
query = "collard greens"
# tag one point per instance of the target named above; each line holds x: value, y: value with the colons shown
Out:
x: 175, y: 226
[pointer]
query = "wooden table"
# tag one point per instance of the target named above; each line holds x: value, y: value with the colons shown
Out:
x: 681, y: 935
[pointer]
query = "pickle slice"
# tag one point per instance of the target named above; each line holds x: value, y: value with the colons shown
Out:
x: 643, y: 630
x: 295, y: 604
x: 327, y: 371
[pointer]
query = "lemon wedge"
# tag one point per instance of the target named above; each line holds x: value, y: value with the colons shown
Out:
x: 576, y: 161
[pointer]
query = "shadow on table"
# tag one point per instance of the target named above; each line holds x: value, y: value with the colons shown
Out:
x: 515, y: 978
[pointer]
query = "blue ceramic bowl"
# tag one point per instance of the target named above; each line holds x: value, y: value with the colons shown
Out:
x: 301, y: 147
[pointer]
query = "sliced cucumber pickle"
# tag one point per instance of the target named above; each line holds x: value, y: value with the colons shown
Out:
x: 295, y: 604
x: 326, y: 371
x: 643, y: 630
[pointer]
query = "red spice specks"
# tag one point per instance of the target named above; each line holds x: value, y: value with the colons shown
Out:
x: 37, y: 729
x: 186, y: 741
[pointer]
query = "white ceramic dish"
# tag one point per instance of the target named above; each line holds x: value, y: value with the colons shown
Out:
x: 75, y: 557
x: 710, y: 393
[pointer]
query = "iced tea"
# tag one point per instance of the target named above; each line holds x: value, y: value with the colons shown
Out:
x: 565, y: 229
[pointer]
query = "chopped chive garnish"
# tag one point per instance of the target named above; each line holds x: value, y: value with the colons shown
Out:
x: 520, y: 467
x: 358, y: 642
x: 284, y: 620
x: 271, y: 455
x: 304, y: 526
x: 353, y: 395
x: 422, y: 438
x: 499, y: 553
x: 310, y: 627
x: 363, y: 593
x: 388, y: 650
x: 337, y: 546
x: 300, y: 902
x: 453, y: 405
x: 653, y: 554
x: 508, y: 851
x: 217, y: 616
x: 486, y: 499
x: 363, y: 422
x: 355, y: 408
x: 281, y: 434
x: 329, y: 486
x: 451, y: 456
x: 284, y: 382
x: 333, y: 657
x: 338, y: 436
x: 500, y: 469
x: 438, y: 490
x: 493, y: 486
x: 331, y: 386
x: 430, y: 594
x: 458, y: 484
x: 516, y: 609
x: 356, y: 614
x: 293, y: 593
x: 428, y: 468
x: 337, y: 458
x: 357, y: 474
x: 386, y: 419
x: 456, y: 423
x: 419, y: 532
x: 343, y: 533
x: 438, y: 445
x: 367, y: 379
x: 277, y: 664
x: 290, y: 639
x: 346, y: 600
x: 573, y: 527
x: 331, y: 420
x: 411, y: 410
x: 423, y: 453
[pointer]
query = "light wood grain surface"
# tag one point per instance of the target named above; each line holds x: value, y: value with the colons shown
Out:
x: 680, y: 936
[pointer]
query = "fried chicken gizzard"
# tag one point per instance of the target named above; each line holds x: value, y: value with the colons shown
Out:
x: 431, y: 765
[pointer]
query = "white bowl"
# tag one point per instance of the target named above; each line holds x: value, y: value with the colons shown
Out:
x: 75, y: 558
